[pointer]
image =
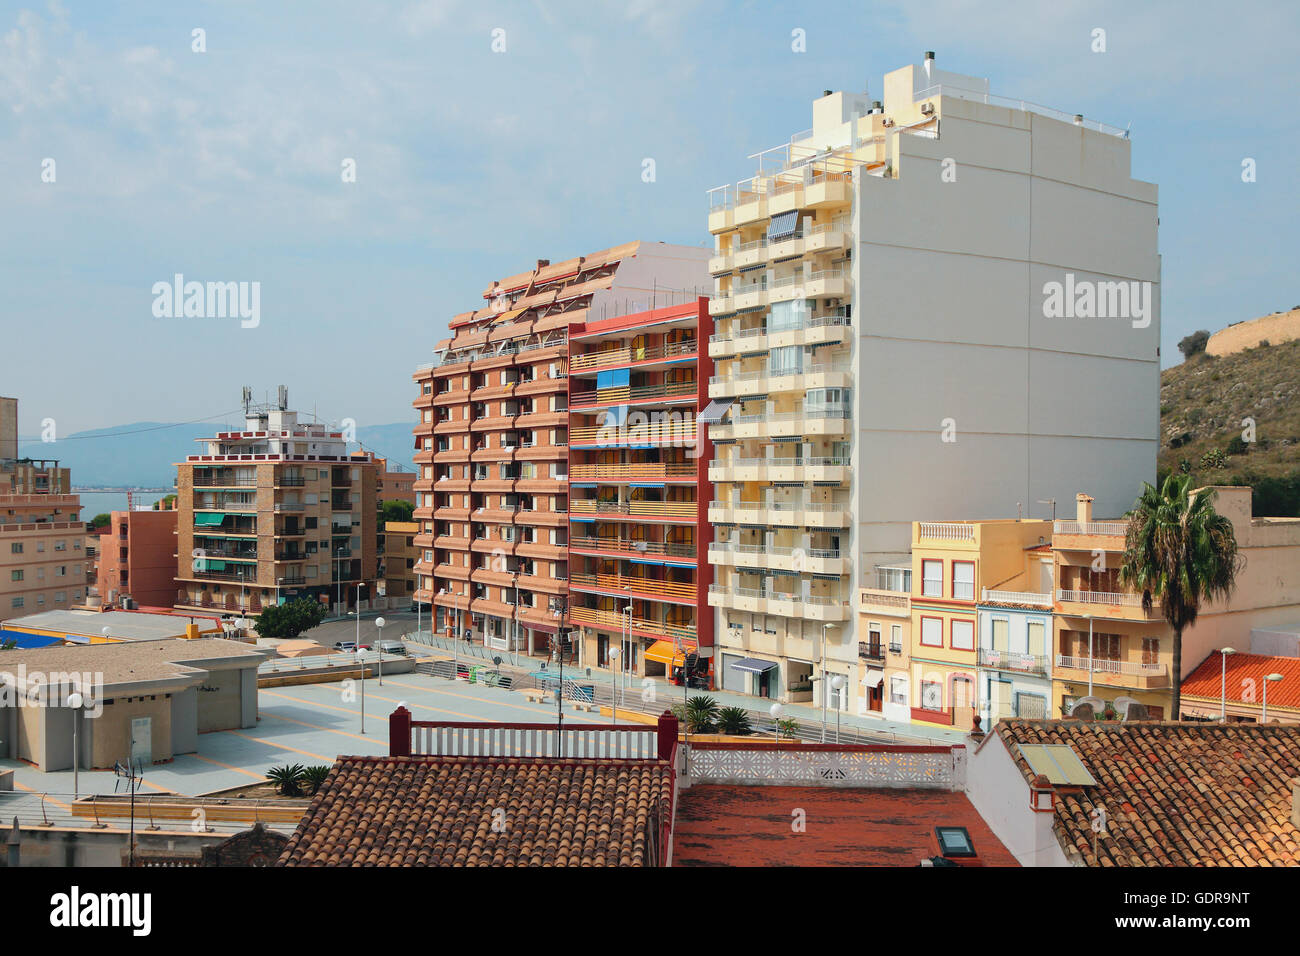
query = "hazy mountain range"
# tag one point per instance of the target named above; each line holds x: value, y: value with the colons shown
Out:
x: 144, y: 454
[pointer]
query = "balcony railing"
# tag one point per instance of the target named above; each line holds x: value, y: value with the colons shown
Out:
x: 1113, y: 598
x: 626, y: 356
x: 779, y: 462
x: 1013, y: 661
x: 628, y: 546
x: 946, y: 531
x: 1107, y: 528
x: 1035, y: 598
x: 1099, y: 666
x: 644, y: 509
x: 230, y: 482
x: 871, y: 652
x: 826, y: 368
x: 646, y: 433
x: 638, y: 586
x: 634, y: 469
x: 623, y: 394
x: 614, y: 621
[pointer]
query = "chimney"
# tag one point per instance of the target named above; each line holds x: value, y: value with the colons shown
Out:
x: 1083, y: 508
x: 543, y: 263
x: 929, y: 63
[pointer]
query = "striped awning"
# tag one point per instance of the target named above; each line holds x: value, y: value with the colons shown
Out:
x: 783, y: 225
x: 714, y: 412
x: 753, y: 665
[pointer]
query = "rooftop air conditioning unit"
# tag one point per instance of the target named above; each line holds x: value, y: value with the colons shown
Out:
x: 927, y: 109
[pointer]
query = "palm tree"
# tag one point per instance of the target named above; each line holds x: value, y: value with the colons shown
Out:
x: 1179, y: 551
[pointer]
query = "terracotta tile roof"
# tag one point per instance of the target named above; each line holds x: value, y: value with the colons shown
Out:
x: 1175, y: 794
x: 1246, y: 671
x: 846, y: 826
x: 438, y: 811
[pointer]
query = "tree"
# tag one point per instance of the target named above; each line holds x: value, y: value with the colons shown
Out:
x: 1180, y: 552
x: 289, y: 619
x: 396, y: 511
x: 734, y: 721
x: 164, y: 503
x: 101, y: 521
x: 1194, y: 344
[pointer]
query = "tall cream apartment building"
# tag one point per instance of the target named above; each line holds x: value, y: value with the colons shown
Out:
x: 42, y: 553
x: 902, y: 294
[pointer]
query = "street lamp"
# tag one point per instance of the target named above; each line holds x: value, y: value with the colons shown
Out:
x: 359, y: 587
x: 776, y: 710
x: 1223, y: 682
x: 613, y: 658
x: 822, y: 678
x: 75, y: 702
x: 838, y: 683
x: 362, y: 661
x: 627, y: 665
x: 1268, y: 679
x: 379, y: 623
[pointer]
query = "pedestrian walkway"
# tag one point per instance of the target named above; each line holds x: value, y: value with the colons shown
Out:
x: 658, y: 689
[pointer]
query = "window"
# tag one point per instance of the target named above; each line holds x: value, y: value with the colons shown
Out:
x: 931, y: 695
x: 15, y: 575
x: 963, y: 635
x: 1037, y: 631
x: 16, y: 547
x: 16, y: 602
x: 1001, y: 633
x: 63, y: 545
x: 932, y: 578
x: 896, y: 638
x: 898, y: 690
x: 932, y: 631
x: 1150, y: 650
x: 963, y: 580
x: 954, y: 841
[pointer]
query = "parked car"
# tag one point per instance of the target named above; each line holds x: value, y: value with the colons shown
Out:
x: 349, y: 647
x: 392, y: 647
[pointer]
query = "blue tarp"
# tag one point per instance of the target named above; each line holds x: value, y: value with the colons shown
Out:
x: 23, y: 639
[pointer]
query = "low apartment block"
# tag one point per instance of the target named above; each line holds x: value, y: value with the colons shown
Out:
x: 493, y: 440
x: 137, y: 560
x: 276, y: 511
x: 42, y: 555
x: 638, y: 492
x: 951, y: 563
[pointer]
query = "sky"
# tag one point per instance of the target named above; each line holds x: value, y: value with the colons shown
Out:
x: 227, y: 164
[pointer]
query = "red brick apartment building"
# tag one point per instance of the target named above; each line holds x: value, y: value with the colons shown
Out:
x: 492, y: 442
x: 638, y: 481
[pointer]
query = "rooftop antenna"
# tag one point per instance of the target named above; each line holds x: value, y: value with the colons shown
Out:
x: 248, y: 398
x: 282, y: 396
x: 1049, y: 501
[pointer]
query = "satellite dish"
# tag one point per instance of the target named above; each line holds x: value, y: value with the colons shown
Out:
x: 1085, y: 708
x: 1130, y: 709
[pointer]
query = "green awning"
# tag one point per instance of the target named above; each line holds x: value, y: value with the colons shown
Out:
x: 209, y: 517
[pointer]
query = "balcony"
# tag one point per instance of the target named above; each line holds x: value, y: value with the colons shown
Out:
x: 1116, y: 673
x: 945, y: 531
x: 873, y: 653
x: 798, y: 560
x: 615, y: 622
x: 881, y: 601
x: 674, y: 433
x: 633, y: 471
x: 667, y: 510
x: 633, y: 395
x: 230, y: 481
x: 821, y: 284
x: 769, y: 381
x: 1113, y: 604
x: 1028, y: 598
x: 816, y: 608
x: 769, y: 470
x: 1013, y: 661
x: 633, y: 547
x: 629, y: 356
x: 808, y: 423
x: 825, y: 329
x: 784, y: 514
x: 651, y: 588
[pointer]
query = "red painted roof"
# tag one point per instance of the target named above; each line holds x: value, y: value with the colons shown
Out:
x: 752, y: 826
x: 1245, y: 677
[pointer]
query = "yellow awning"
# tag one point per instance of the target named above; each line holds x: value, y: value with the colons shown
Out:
x: 507, y: 316
x: 665, y: 653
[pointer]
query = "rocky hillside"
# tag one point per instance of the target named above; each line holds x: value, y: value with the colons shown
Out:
x: 1204, y: 401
